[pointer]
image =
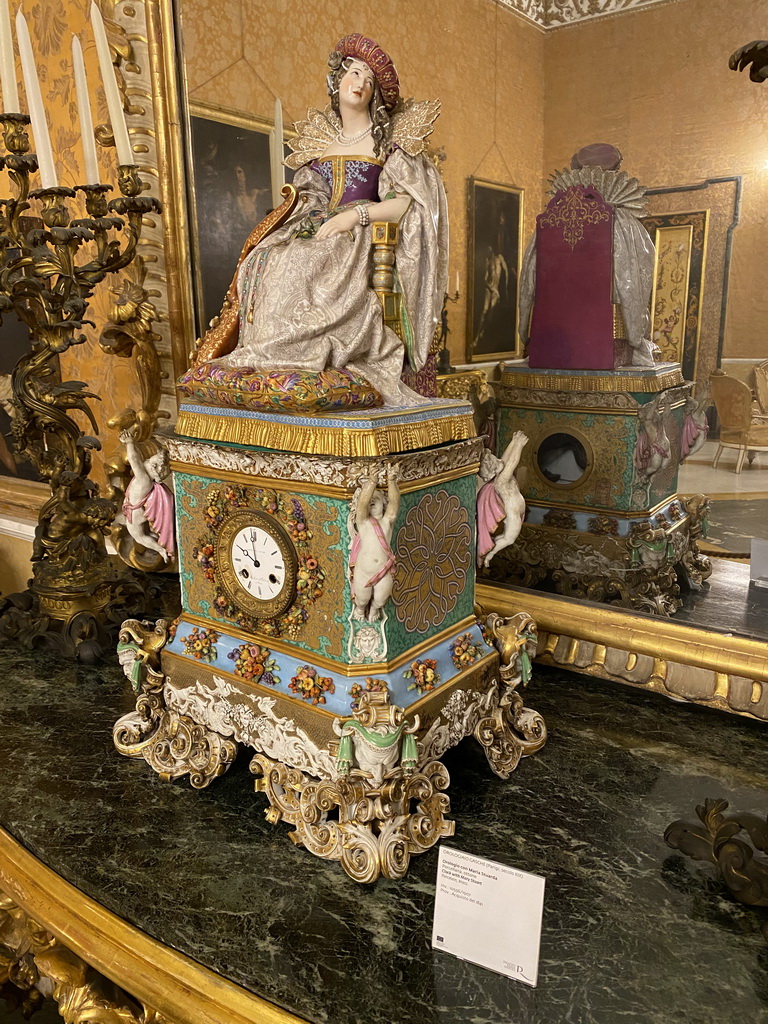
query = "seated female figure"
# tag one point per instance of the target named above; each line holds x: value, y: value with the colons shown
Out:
x: 304, y: 292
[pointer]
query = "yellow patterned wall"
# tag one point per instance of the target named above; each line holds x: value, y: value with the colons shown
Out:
x: 516, y: 102
x: 51, y: 24
x: 483, y: 62
x: 656, y: 83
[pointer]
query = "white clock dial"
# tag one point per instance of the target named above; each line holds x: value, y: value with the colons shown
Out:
x: 258, y: 563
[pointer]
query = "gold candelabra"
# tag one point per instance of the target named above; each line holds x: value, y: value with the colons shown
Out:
x: 42, y: 282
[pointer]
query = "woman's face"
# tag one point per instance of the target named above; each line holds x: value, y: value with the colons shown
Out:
x: 356, y: 86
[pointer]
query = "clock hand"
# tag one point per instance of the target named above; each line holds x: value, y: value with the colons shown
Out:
x: 257, y: 564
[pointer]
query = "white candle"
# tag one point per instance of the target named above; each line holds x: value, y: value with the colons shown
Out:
x: 7, y: 63
x: 36, y: 108
x: 457, y: 282
x: 84, y: 109
x: 114, y: 103
x: 276, y: 155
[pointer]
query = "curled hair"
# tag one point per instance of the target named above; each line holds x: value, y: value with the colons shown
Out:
x: 381, y: 130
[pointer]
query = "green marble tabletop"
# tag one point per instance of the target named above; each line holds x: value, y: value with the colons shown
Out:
x: 632, y: 931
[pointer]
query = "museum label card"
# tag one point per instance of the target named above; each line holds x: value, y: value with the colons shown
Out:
x: 488, y: 914
x: 758, y: 563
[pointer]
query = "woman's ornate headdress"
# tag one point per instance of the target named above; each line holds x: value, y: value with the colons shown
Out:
x: 380, y: 63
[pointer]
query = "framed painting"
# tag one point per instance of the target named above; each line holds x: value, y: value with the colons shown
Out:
x: 712, y: 209
x: 494, y: 251
x: 681, y: 243
x: 231, y: 193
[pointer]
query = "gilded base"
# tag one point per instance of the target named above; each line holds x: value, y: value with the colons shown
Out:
x: 635, y: 380
x: 371, y: 830
x: 82, y: 623
x: 639, y: 569
x: 62, y: 605
x: 367, y: 789
x: 367, y: 434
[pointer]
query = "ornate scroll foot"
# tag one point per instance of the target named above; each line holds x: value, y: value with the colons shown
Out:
x: 172, y: 744
x: 713, y: 838
x: 371, y: 830
x: 511, y: 731
x: 378, y: 811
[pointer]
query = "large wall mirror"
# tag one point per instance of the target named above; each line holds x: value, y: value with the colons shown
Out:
x: 518, y: 99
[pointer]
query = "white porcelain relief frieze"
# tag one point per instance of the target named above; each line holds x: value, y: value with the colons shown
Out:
x: 555, y: 13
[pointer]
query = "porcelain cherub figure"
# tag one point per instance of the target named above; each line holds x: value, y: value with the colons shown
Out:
x: 148, y: 505
x: 372, y: 560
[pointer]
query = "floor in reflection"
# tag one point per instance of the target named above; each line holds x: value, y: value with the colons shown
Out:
x: 728, y: 602
x: 697, y: 474
x: 739, y: 510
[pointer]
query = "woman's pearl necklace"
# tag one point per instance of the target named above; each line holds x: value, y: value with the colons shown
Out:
x: 342, y: 139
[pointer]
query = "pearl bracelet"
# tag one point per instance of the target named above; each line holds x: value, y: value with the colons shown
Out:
x: 363, y: 215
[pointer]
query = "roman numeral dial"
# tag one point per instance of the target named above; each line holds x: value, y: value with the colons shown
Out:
x: 256, y: 563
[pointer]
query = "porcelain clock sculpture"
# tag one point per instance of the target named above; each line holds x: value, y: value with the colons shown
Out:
x: 256, y: 563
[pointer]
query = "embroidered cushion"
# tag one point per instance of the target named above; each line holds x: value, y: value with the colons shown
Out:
x: 302, y: 391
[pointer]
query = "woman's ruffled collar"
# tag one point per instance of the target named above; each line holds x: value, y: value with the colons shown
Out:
x: 411, y: 125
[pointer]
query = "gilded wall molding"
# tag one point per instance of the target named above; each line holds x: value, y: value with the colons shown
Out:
x: 679, y: 661
x: 152, y: 117
x: 549, y: 14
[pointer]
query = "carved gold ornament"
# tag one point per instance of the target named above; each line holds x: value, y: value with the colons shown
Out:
x: 34, y: 960
x: 377, y: 830
x: 434, y: 555
x: 735, y: 843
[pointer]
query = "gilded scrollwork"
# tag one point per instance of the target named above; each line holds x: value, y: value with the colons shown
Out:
x: 379, y: 809
x: 39, y: 965
x: 511, y: 731
x: 371, y: 830
x: 172, y: 744
x: 733, y: 843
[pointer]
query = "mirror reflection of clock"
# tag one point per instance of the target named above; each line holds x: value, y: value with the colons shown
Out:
x: 258, y: 563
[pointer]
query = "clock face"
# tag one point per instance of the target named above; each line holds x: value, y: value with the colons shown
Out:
x: 256, y: 563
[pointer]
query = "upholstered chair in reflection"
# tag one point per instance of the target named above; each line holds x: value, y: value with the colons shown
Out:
x: 761, y: 387
x: 740, y: 427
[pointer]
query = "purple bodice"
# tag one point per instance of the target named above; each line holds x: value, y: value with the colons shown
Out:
x: 351, y: 179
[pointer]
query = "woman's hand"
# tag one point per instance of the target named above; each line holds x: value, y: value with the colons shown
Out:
x: 337, y: 225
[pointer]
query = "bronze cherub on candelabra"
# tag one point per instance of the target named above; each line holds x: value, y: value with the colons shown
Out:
x: 43, y: 284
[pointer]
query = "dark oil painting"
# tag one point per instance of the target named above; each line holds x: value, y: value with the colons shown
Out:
x: 495, y: 212
x: 232, y: 194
